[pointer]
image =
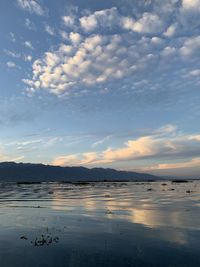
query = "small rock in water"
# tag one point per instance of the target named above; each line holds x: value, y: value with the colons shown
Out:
x: 109, y: 212
x: 56, y: 239
x: 24, y: 237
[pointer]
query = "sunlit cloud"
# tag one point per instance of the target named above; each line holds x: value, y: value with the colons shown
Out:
x: 106, y: 18
x: 94, y: 53
x: 148, y: 23
x: 190, y: 45
x: 195, y: 162
x: 91, y: 61
x: 10, y: 157
x: 164, y: 144
x: 191, y: 5
x: 115, y: 66
x: 171, y: 30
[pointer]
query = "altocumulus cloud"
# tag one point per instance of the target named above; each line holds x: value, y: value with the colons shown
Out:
x: 108, y: 45
x: 31, y: 6
x: 93, y: 60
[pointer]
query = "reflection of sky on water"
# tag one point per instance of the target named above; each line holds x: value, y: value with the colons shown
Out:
x: 103, y: 212
x: 156, y: 208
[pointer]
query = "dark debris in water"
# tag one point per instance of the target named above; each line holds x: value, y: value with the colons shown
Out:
x: 179, y: 181
x: 42, y: 240
x: 109, y: 212
x: 24, y: 237
x: 45, y: 240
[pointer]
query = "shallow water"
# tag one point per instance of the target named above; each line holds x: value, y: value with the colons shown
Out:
x: 100, y: 224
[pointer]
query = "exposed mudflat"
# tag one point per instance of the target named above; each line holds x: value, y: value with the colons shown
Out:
x: 100, y: 224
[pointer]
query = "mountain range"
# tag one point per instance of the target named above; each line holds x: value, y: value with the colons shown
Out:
x: 28, y: 172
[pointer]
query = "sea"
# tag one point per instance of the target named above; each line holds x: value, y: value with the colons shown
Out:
x: 104, y: 224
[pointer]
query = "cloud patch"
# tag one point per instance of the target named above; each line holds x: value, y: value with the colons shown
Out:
x: 29, y: 45
x: 191, y: 5
x: 11, y: 64
x: 148, y: 23
x: 190, y: 46
x: 50, y: 30
x: 106, y: 18
x: 165, y: 143
x: 90, y: 61
x: 31, y: 6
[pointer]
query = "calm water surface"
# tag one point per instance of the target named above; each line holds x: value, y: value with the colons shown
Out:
x: 100, y: 224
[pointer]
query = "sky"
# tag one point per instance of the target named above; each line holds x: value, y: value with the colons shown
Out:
x: 112, y: 84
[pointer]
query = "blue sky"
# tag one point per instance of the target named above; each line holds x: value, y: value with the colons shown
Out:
x: 101, y: 83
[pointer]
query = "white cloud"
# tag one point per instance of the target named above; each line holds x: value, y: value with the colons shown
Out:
x: 168, y: 51
x: 75, y: 37
x: 50, y: 30
x: 163, y: 144
x: 70, y: 160
x: 156, y: 40
x: 73, y: 160
x: 11, y: 158
x: 28, y: 44
x: 191, y: 5
x: 195, y: 72
x: 100, y: 142
x: 24, y: 143
x: 88, y: 61
x: 69, y: 21
x: 31, y: 6
x: 29, y: 145
x: 106, y: 18
x: 4, y: 156
x: 64, y: 35
x: 28, y: 58
x: 11, y: 64
x: 88, y: 23
x: 70, y: 17
x: 29, y: 24
x: 190, y: 46
x: 12, y: 54
x: 195, y: 162
x: 12, y: 37
x: 170, y: 30
x: 148, y: 23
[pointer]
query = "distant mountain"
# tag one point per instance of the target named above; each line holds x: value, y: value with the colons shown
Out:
x: 27, y: 172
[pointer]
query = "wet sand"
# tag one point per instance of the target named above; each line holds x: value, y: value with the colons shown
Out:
x: 100, y: 224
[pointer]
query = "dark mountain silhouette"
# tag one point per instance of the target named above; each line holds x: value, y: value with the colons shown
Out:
x: 27, y: 172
